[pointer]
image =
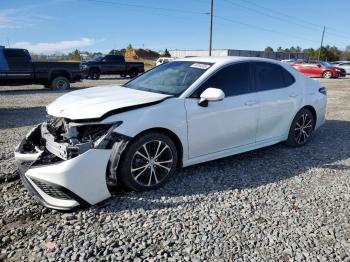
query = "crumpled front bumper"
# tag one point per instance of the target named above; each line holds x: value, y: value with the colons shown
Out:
x: 62, y: 184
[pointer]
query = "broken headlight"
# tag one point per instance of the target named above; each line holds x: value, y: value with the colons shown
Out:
x: 68, y: 139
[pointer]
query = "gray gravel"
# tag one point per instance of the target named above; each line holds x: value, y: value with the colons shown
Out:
x: 271, y: 204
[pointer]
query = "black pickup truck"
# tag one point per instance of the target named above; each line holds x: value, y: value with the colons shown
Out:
x: 17, y: 68
x: 111, y: 65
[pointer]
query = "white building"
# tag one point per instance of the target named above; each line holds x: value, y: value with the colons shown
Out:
x: 234, y: 52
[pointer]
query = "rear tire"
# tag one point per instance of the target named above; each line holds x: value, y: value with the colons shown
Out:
x: 302, y: 128
x: 327, y: 74
x: 94, y: 74
x: 133, y: 72
x: 148, y: 162
x: 60, y: 83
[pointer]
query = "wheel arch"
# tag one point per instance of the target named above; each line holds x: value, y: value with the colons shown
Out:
x: 312, y: 110
x: 57, y: 73
x: 175, y: 138
x: 95, y: 68
x: 118, y: 151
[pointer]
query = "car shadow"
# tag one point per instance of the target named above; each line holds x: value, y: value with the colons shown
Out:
x: 19, y: 117
x: 248, y: 170
x: 112, y: 78
x: 29, y: 91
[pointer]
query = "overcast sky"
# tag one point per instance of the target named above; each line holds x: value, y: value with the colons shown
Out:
x: 48, y: 26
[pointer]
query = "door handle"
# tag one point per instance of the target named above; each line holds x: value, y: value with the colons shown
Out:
x: 293, y: 95
x: 250, y: 103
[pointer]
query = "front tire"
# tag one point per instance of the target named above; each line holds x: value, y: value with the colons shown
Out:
x: 94, y: 74
x: 60, y: 83
x: 327, y: 74
x: 302, y: 128
x: 133, y: 73
x: 148, y: 162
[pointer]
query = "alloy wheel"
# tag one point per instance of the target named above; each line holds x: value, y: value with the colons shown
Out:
x: 303, y: 128
x: 151, y: 163
x: 61, y: 85
x: 327, y: 74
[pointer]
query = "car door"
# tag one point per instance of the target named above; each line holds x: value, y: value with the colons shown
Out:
x: 279, y: 98
x: 224, y: 124
x: 20, y: 66
x: 113, y: 64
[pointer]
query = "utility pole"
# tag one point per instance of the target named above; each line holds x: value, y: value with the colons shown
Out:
x: 211, y: 26
x: 319, y: 52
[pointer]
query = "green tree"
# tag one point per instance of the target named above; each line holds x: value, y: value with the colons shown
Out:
x: 115, y: 52
x: 166, y: 53
x: 129, y: 46
x: 329, y: 53
x: 268, y: 49
x: 280, y: 49
x: 346, y: 53
x: 75, y: 55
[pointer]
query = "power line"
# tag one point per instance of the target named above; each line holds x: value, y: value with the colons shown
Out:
x: 117, y: 3
x: 145, y: 6
x: 264, y: 13
x: 264, y: 29
x: 284, y: 19
x: 296, y: 18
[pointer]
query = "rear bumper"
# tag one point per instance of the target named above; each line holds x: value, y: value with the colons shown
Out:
x: 62, y: 184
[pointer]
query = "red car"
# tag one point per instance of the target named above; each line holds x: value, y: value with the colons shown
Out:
x: 320, y: 69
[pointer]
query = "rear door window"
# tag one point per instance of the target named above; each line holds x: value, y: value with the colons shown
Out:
x: 269, y: 76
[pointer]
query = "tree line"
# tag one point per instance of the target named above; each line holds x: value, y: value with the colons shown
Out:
x: 328, y: 53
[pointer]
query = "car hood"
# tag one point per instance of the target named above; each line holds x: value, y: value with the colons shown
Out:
x: 96, y: 102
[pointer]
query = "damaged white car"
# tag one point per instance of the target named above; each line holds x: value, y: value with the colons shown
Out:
x: 178, y: 114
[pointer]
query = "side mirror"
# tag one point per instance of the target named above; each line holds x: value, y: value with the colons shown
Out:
x: 211, y: 94
x: 319, y: 66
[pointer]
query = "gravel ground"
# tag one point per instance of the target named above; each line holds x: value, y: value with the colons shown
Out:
x: 271, y: 204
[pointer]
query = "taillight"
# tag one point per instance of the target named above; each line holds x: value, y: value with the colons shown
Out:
x: 323, y: 90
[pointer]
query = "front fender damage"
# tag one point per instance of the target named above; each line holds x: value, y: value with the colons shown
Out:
x: 119, y: 145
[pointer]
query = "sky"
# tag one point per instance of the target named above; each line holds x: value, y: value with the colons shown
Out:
x: 59, y: 26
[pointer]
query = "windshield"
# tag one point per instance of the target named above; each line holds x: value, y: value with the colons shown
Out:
x: 325, y: 64
x: 170, y: 78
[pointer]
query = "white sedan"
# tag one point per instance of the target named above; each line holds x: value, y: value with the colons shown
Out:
x: 178, y: 114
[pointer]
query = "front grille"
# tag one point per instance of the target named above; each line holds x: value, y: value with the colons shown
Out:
x: 51, y: 190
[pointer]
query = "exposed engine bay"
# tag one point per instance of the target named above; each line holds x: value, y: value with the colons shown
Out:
x: 66, y: 139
